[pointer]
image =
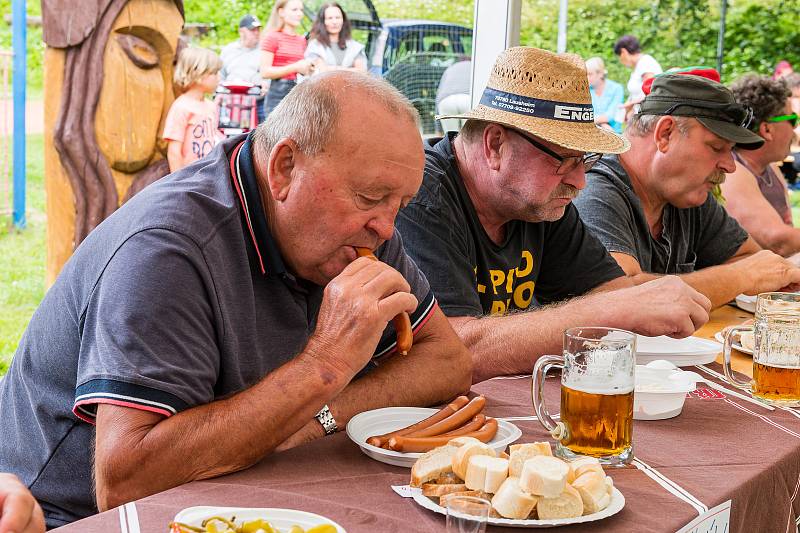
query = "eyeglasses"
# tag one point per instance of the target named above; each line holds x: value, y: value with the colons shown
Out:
x: 791, y: 119
x: 568, y: 163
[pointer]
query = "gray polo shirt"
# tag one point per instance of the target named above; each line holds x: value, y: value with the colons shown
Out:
x: 691, y: 238
x: 177, y: 299
x: 240, y: 63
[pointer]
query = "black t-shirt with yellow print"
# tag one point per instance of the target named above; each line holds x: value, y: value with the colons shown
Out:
x: 470, y: 275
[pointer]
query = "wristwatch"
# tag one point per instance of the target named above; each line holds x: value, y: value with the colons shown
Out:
x: 325, y: 418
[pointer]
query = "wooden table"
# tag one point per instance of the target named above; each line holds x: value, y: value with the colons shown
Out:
x: 729, y: 315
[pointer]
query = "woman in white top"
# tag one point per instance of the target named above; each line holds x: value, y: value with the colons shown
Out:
x: 330, y: 46
x: 644, y: 67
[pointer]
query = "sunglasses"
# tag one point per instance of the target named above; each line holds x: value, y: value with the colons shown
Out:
x: 567, y: 163
x: 791, y: 119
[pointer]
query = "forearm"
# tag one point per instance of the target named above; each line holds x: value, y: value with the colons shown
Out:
x: 784, y: 240
x: 210, y: 440
x: 276, y: 73
x: 510, y: 344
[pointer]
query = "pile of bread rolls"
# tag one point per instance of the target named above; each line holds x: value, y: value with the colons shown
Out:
x: 527, y: 484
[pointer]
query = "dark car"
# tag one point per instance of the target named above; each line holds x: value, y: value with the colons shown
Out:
x: 409, y: 54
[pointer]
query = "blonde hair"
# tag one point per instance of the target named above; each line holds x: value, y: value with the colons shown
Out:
x: 595, y: 64
x: 193, y: 64
x: 275, y: 22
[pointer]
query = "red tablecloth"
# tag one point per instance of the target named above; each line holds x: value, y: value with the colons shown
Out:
x: 718, y: 449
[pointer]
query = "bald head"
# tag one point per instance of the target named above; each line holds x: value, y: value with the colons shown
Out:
x: 311, y: 113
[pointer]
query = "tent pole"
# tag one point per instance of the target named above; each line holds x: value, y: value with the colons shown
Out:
x: 19, y: 38
x: 721, y: 36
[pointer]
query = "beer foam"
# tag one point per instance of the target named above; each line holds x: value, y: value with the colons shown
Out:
x: 785, y: 363
x: 595, y: 385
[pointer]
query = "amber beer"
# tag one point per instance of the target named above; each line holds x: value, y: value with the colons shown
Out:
x: 599, y: 423
x: 776, y: 383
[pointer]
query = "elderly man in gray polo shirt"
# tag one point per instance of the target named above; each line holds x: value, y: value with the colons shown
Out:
x: 652, y: 206
x: 222, y: 314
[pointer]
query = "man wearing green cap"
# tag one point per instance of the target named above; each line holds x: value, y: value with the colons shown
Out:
x: 652, y: 206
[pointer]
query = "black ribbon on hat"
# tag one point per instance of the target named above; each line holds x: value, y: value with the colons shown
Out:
x: 536, y: 107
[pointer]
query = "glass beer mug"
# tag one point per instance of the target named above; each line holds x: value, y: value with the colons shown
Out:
x: 776, y: 354
x: 597, y: 382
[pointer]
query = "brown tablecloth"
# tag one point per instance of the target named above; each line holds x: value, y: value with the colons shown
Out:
x: 717, y: 449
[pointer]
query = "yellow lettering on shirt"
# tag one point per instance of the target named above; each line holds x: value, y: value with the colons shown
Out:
x: 498, y: 308
x: 511, y: 287
x: 497, y: 277
x: 523, y: 295
x: 528, y: 258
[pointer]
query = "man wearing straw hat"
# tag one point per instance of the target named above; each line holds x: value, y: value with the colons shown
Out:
x: 652, y: 206
x: 495, y: 232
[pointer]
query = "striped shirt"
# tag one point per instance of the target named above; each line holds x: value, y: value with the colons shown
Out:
x: 287, y: 49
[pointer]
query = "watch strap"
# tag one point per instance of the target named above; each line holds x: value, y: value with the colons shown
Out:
x: 325, y: 418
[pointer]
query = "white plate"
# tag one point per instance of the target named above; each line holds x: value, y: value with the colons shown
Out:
x: 736, y: 343
x: 379, y: 421
x: 746, y: 303
x: 615, y: 506
x: 282, y: 519
x: 681, y: 352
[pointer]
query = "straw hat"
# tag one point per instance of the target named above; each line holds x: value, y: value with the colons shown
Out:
x: 547, y: 95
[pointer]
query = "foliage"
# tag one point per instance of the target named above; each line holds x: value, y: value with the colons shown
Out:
x: 677, y: 33
x: 35, y: 59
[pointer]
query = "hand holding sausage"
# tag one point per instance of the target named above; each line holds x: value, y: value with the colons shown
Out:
x: 356, y: 306
x: 402, y: 322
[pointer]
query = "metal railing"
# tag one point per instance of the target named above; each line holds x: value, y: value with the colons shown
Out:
x: 6, y: 129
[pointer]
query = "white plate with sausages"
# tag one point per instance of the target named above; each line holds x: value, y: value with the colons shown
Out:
x: 615, y: 506
x: 378, y: 421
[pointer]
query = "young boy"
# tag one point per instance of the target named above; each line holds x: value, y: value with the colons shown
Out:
x: 191, y: 124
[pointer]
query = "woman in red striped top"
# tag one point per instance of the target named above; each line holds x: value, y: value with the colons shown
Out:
x: 282, y: 51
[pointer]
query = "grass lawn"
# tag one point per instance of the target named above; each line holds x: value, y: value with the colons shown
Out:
x: 22, y: 258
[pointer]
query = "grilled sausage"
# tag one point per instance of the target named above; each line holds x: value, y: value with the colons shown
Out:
x: 449, y: 409
x: 402, y: 322
x: 409, y: 444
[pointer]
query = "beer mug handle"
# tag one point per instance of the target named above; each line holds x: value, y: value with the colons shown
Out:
x: 543, y: 364
x: 726, y: 359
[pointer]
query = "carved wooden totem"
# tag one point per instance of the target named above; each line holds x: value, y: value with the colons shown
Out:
x: 108, y: 87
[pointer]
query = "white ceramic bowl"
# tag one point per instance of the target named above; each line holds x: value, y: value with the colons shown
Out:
x: 657, y: 396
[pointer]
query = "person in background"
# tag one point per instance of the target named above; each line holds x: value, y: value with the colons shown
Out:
x: 19, y: 512
x: 652, y: 206
x: 494, y: 228
x: 643, y: 66
x: 607, y: 95
x: 755, y: 193
x: 330, y: 45
x: 282, y: 51
x: 241, y: 60
x: 782, y: 69
x: 452, y: 95
x: 191, y: 124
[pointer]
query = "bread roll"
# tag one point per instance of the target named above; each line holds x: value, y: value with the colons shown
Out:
x: 543, y: 475
x: 510, y: 501
x: 522, y: 452
x: 437, y: 490
x: 486, y: 473
x: 593, y: 490
x: 432, y: 465
x: 568, y: 504
x: 584, y: 464
x: 461, y: 457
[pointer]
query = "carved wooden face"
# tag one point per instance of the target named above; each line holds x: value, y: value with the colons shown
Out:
x: 137, y: 85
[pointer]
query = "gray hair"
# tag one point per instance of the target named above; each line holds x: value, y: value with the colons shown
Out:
x: 309, y: 113
x: 641, y: 125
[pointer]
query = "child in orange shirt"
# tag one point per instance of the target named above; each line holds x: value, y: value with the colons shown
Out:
x: 191, y: 124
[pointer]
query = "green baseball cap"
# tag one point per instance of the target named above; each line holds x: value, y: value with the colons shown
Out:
x: 711, y: 103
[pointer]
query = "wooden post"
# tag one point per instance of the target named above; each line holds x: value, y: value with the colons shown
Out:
x: 108, y: 87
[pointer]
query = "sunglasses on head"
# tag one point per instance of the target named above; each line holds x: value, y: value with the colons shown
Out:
x: 791, y: 119
x: 567, y: 163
